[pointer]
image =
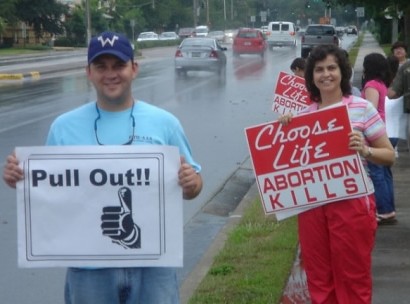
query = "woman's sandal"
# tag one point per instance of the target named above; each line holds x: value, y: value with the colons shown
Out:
x: 391, y: 220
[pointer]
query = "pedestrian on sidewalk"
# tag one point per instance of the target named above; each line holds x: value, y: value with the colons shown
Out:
x: 399, y: 50
x: 337, y: 239
x: 400, y: 87
x: 375, y: 80
x: 117, y: 118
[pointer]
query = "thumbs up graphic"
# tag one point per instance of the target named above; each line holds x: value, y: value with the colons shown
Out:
x: 118, y: 224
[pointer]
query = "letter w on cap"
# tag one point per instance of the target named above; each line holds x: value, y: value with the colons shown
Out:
x: 107, y: 40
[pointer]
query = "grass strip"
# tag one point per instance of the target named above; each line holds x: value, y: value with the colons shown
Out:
x: 255, y: 263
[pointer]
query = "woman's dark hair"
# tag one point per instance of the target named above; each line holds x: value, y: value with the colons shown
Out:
x: 319, y: 53
x: 398, y: 44
x: 376, y: 67
x: 393, y: 62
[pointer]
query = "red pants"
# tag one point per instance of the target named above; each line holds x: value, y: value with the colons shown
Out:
x: 336, y: 242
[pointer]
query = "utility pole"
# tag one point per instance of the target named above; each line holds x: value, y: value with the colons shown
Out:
x: 88, y: 20
x: 196, y: 8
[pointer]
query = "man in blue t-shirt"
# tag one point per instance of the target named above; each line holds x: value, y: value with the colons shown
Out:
x: 116, y: 118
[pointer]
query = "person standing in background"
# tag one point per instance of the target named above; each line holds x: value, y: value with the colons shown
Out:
x: 337, y: 239
x: 400, y: 86
x: 117, y: 118
x: 376, y: 79
x: 399, y: 50
x: 298, y: 67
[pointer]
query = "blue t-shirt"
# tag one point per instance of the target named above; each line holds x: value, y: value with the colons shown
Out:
x: 153, y: 126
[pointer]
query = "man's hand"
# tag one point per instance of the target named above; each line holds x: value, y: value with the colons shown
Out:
x: 12, y: 172
x: 189, y: 180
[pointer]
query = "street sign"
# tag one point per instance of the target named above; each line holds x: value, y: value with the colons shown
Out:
x: 360, y: 11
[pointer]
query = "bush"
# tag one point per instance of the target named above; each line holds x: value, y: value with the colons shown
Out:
x: 7, y: 43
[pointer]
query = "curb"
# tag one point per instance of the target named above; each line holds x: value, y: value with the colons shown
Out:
x: 20, y: 76
x: 192, y: 281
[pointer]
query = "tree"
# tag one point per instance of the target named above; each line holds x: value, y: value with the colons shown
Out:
x: 377, y: 7
x: 43, y: 15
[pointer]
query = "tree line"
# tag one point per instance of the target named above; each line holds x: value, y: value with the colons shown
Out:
x: 69, y: 22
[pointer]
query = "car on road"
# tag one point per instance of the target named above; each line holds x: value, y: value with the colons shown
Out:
x: 218, y: 35
x: 200, y: 54
x: 201, y: 31
x: 147, y: 36
x: 249, y: 41
x: 317, y: 34
x: 281, y: 33
x: 264, y: 29
x: 229, y: 35
x: 168, y: 36
x: 351, y: 30
x: 186, y: 32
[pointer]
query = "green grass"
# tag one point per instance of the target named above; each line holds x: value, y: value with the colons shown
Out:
x: 355, y: 49
x: 22, y: 51
x: 255, y: 263
x: 386, y: 49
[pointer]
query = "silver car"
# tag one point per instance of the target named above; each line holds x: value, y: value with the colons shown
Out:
x: 200, y: 54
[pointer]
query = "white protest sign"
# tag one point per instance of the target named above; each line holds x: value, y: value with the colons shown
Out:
x: 99, y: 206
x: 396, y: 119
x: 306, y: 163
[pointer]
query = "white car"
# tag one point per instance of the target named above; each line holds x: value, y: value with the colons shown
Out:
x: 201, y: 31
x: 281, y: 33
x: 230, y: 35
x: 168, y: 36
x: 147, y: 36
x: 218, y: 35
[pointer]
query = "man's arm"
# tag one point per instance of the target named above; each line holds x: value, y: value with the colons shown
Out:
x: 396, y: 88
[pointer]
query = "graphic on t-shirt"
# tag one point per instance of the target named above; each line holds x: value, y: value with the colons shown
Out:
x: 118, y: 224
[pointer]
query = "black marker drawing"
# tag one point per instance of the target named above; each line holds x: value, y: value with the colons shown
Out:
x: 118, y: 224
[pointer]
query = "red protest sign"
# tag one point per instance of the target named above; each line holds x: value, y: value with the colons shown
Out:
x: 290, y: 94
x: 307, y: 162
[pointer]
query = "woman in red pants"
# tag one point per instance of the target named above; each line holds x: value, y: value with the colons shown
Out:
x: 337, y: 239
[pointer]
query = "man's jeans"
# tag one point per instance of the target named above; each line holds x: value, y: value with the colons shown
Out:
x: 150, y: 285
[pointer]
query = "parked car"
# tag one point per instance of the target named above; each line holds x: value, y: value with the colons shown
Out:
x: 218, y: 35
x: 200, y: 54
x: 186, y: 32
x: 249, y: 41
x: 281, y: 33
x: 147, y: 36
x: 317, y: 34
x: 168, y: 36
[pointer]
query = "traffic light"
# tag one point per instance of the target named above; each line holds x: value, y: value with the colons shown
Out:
x: 307, y: 4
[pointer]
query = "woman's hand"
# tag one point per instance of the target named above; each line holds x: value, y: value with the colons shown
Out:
x: 357, y: 143
x: 285, y: 119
